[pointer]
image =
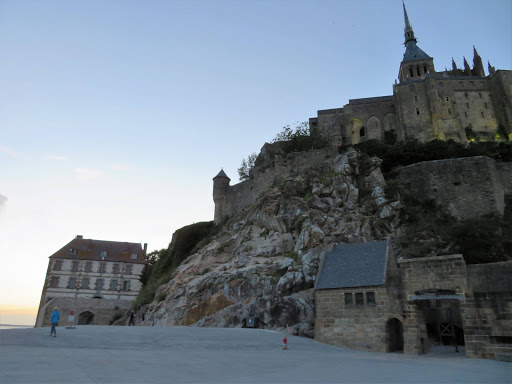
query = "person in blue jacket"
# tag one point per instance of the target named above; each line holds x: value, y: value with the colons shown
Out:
x: 55, y: 320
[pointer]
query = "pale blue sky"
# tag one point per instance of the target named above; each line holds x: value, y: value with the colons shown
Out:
x: 115, y: 115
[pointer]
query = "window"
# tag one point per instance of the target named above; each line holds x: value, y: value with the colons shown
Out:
x: 417, y: 111
x: 72, y: 283
x: 72, y: 252
x: 461, y: 83
x: 113, y: 285
x: 447, y: 98
x: 472, y: 83
x: 418, y: 71
x: 416, y: 98
x: 85, y: 283
x: 485, y: 105
x: 99, y: 284
x: 482, y: 114
x: 54, y: 282
x: 505, y: 76
x: 361, y: 132
x: 103, y: 255
x: 466, y: 95
x: 102, y: 268
x: 411, y: 73
x: 370, y: 298
x: 359, y: 298
x: 128, y: 269
x: 88, y: 266
x: 480, y: 94
x: 449, y: 111
x: 424, y: 69
x: 441, y: 84
x: 134, y: 255
x: 126, y: 285
x: 115, y: 269
x: 74, y: 266
x: 412, y: 88
x: 57, y: 265
x: 348, y: 299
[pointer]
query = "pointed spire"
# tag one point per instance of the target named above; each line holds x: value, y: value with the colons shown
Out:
x: 454, y: 66
x: 467, y: 69
x: 408, y: 31
x: 478, y: 66
x: 491, y: 69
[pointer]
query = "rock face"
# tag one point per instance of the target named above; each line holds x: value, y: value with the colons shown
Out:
x: 265, y: 260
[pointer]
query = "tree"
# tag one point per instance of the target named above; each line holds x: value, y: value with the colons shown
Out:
x: 245, y: 167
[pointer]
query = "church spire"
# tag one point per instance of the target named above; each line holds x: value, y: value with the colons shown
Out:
x: 408, y: 31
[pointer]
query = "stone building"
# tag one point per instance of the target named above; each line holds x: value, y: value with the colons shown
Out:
x: 96, y: 279
x: 367, y: 300
x: 459, y: 104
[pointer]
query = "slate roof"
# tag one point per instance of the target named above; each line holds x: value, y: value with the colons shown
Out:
x: 222, y: 174
x: 413, y: 52
x: 89, y: 249
x: 354, y: 265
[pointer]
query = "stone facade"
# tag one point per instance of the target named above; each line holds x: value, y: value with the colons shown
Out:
x: 467, y: 188
x: 435, y: 299
x: 427, y: 105
x: 95, y: 278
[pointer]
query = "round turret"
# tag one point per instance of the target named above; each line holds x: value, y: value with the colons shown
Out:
x: 220, y: 191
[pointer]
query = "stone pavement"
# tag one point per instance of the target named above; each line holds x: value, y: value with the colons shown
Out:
x: 102, y: 354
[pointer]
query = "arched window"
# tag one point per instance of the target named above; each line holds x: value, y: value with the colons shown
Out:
x: 361, y: 132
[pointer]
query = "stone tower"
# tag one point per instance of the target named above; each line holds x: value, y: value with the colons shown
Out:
x: 220, y: 191
x: 416, y: 63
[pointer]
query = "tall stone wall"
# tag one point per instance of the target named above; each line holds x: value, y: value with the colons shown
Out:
x: 467, y: 187
x: 488, y: 330
x: 240, y: 196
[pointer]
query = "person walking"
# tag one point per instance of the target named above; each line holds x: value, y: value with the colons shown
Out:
x: 132, y: 319
x: 55, y: 320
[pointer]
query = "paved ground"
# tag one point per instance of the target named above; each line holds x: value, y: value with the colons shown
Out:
x: 101, y: 354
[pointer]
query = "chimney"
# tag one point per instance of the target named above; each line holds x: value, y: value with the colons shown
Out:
x: 79, y: 236
x: 145, y: 248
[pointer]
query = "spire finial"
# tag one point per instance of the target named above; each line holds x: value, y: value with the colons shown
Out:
x: 408, y: 31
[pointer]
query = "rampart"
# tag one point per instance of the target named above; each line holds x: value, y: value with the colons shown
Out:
x: 466, y: 187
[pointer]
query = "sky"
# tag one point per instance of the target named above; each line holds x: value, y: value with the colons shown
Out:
x: 116, y: 115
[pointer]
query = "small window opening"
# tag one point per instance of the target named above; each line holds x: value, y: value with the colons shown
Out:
x: 54, y: 282
x: 418, y: 71
x: 472, y: 83
x: 412, y: 88
x: 126, y: 285
x: 359, y: 298
x: 85, y: 283
x: 57, y: 265
x: 134, y: 255
x: 416, y: 98
x: 116, y: 269
x: 485, y: 104
x: 349, y: 299
x: 113, y: 285
x: 424, y: 69
x: 480, y: 94
x: 128, y: 269
x: 466, y: 95
x: 361, y: 132
x: 461, y: 83
x: 99, y: 284
x: 74, y: 266
x: 410, y: 71
x: 88, y: 266
x: 449, y: 111
x: 370, y: 298
x: 72, y: 252
x: 447, y: 98
x: 72, y: 283
x: 417, y: 111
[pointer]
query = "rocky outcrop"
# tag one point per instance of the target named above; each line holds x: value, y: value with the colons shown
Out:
x: 265, y: 260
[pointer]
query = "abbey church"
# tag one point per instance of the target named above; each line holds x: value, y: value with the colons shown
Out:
x: 459, y: 104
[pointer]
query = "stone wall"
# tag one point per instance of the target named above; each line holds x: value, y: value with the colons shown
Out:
x: 488, y: 332
x: 103, y: 310
x: 467, y: 187
x: 273, y: 172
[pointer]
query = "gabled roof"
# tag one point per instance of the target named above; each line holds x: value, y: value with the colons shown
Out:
x: 354, y: 265
x: 89, y: 249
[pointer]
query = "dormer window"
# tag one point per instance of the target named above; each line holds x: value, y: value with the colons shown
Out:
x: 72, y: 252
x: 134, y: 256
x: 103, y: 255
